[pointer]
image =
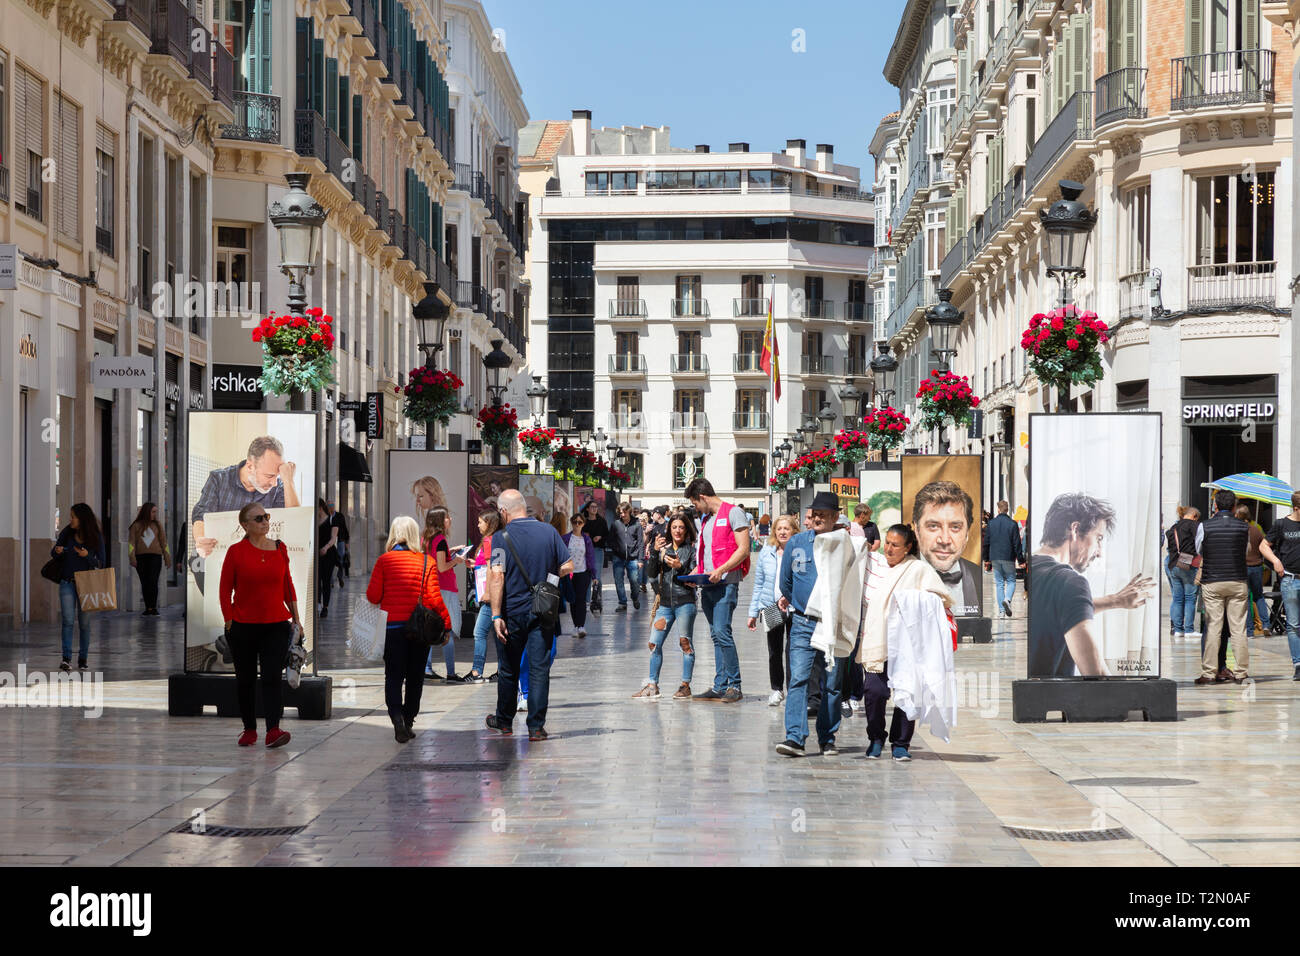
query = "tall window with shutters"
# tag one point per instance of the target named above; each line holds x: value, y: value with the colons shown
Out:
x: 1123, y: 34
x: 29, y: 142
x: 105, y: 189
x: 1070, y: 63
x: 67, y: 194
x: 5, y: 163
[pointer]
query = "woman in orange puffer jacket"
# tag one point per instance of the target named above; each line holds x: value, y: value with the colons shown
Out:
x: 402, y: 577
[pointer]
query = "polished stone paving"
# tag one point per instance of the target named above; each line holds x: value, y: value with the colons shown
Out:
x: 623, y: 781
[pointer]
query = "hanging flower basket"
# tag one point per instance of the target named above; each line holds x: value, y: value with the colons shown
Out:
x: 618, y: 480
x: 783, y: 478
x: 945, y: 397
x: 297, y: 352
x: 537, y: 442
x: 885, y: 427
x: 563, y: 459
x: 500, y: 424
x: 852, y: 445
x: 814, y: 466
x: 432, y: 395
x: 1063, y: 347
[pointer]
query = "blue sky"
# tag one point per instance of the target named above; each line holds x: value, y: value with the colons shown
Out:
x: 716, y: 71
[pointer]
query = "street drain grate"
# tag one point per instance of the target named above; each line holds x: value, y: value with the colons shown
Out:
x: 1070, y: 836
x: 190, y: 826
x: 484, y: 766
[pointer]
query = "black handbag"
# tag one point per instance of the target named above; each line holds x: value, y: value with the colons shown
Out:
x: 52, y: 570
x: 425, y: 625
x: 546, y: 596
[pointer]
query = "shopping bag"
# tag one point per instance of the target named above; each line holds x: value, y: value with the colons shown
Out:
x: 96, y: 590
x: 297, y: 657
x: 369, y: 629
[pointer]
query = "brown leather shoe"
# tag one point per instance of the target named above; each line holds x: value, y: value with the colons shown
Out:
x: 1205, y: 680
x: 1223, y: 676
x: 683, y: 692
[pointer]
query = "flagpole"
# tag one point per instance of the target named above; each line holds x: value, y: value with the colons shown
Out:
x: 771, y: 403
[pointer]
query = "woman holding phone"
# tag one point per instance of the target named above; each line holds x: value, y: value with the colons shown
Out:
x: 671, y: 557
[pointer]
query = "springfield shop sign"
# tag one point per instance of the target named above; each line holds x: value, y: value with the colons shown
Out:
x: 128, y: 371
x: 1261, y: 412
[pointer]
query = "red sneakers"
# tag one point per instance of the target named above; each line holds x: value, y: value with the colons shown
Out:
x: 248, y: 738
x: 277, y: 737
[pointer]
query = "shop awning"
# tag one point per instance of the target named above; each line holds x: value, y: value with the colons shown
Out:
x: 352, y: 464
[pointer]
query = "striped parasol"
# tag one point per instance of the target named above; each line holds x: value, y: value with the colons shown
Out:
x: 1255, y: 485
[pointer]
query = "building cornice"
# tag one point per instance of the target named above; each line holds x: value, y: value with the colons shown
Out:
x: 906, y: 40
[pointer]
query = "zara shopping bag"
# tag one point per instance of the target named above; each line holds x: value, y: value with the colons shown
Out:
x: 369, y: 629
x: 96, y: 590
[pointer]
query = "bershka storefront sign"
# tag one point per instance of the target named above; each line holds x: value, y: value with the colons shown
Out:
x: 127, y: 371
x: 236, y: 386
x: 1228, y: 412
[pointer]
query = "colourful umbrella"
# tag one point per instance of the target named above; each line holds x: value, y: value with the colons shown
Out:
x: 1256, y: 485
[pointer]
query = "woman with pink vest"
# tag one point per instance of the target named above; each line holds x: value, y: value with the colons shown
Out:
x: 723, y: 554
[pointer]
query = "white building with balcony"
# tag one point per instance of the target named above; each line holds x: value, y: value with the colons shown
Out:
x: 659, y: 264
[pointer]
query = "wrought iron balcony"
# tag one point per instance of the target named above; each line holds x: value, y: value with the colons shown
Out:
x: 627, y: 309
x: 464, y: 178
x: 1133, y: 296
x: 750, y: 420
x: 1072, y: 124
x: 257, y: 118
x: 1228, y: 284
x: 465, y: 297
x: 138, y: 13
x: 223, y: 74
x: 690, y: 308
x: 817, y: 364
x: 200, y: 61
x: 629, y: 363
x: 1121, y: 95
x: 747, y: 364
x: 313, y: 138
x: 1230, y: 78
x: 689, y: 363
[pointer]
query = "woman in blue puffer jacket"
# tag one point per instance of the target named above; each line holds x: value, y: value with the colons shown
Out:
x: 766, y: 593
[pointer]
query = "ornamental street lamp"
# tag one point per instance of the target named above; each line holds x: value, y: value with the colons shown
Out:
x: 944, y: 319
x: 432, y: 313
x: 537, y: 393
x: 851, y: 399
x: 584, y: 435
x: 785, y: 449
x: 1068, y: 224
x: 883, y: 367
x: 564, y: 422
x: 826, y: 423
x: 806, y: 432
x: 495, y: 362
x: 298, y: 220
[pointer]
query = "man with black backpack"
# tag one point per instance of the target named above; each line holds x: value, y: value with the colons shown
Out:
x: 528, y: 560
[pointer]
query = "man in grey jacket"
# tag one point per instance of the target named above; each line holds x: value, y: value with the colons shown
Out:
x: 628, y: 541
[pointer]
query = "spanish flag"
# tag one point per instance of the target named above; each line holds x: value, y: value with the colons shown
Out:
x: 770, y: 360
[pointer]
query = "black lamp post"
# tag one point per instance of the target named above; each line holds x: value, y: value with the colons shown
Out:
x: 537, y: 393
x: 883, y: 367
x: 495, y: 362
x: 943, y: 319
x: 826, y: 423
x: 784, y: 451
x: 1068, y: 224
x: 432, y: 313
x: 298, y: 220
x: 851, y: 399
x: 564, y: 422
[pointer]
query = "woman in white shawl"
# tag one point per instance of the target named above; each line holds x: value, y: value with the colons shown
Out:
x: 903, y: 572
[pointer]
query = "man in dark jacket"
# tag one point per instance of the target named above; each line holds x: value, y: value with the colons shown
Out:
x: 1223, y: 587
x: 627, y: 540
x: 1002, y: 538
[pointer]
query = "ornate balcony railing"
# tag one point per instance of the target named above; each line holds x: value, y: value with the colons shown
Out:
x: 1121, y: 95
x: 1229, y: 78
x: 170, y: 30
x: 464, y: 178
x: 1133, y: 295
x: 223, y: 74
x: 1226, y: 284
x: 200, y: 61
x: 138, y: 13
x: 257, y: 118
x: 1073, y: 123
x: 465, y: 297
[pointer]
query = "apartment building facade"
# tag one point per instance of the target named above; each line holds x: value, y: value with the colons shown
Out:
x: 1182, y: 136
x: 659, y: 265
x: 486, y: 220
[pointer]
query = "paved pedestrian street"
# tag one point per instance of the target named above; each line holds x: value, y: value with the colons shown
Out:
x: 623, y: 781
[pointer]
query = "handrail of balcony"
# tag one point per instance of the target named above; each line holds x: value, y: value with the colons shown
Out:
x: 817, y: 364
x: 464, y: 177
x: 627, y: 309
x: 1228, y: 78
x: 689, y: 421
x: 858, y: 311
x: 200, y: 61
x: 690, y: 308
x: 856, y: 365
x: 1074, y: 122
x: 223, y: 74
x: 753, y: 420
x: 681, y: 362
x: 170, y: 30
x: 749, y: 308
x: 138, y: 13
x: 465, y: 298
x: 1133, y: 294
x: 1121, y: 95
x: 746, y: 362
x: 629, y: 363
x: 257, y: 118
x: 818, y: 309
x: 1227, y: 284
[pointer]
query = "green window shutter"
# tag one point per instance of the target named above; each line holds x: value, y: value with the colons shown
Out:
x: 1132, y: 34
x: 302, y: 71
x: 1194, y: 28
x: 358, y: 141
x: 1080, y: 53
x: 257, y: 51
x: 345, y: 114
x: 317, y: 76
x: 332, y: 93
x: 1250, y: 24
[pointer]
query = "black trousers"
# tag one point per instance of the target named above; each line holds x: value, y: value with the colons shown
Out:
x: 576, y: 594
x: 778, y: 654
x: 403, y: 667
x: 876, y: 693
x: 267, y: 645
x: 326, y: 568
x: 148, y: 567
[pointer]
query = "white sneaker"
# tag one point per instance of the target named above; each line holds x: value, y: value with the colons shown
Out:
x: 581, y: 633
x: 774, y: 700
x: 521, y: 704
x: 1178, y: 635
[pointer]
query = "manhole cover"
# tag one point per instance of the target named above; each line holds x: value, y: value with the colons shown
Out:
x: 484, y: 766
x: 1070, y: 836
x: 1134, y: 782
x: 196, y: 829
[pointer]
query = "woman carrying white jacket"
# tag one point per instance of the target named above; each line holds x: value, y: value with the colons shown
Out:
x: 767, y: 593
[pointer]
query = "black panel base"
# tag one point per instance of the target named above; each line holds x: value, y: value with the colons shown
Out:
x: 977, y: 629
x: 1091, y: 701
x: 188, y: 694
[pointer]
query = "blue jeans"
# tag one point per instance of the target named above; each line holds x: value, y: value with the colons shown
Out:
x: 802, y: 661
x: 684, y: 616
x: 452, y: 600
x: 1255, y: 583
x: 718, y: 601
x: 1290, y: 601
x: 70, y: 609
x: 520, y: 641
x: 1182, y: 607
x: 1004, y: 579
x: 632, y: 568
x: 483, y: 634
x: 524, y: 676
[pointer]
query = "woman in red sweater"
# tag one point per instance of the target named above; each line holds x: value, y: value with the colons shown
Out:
x: 402, y: 577
x: 258, y: 601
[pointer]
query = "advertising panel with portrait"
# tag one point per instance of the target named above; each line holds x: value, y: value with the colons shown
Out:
x: 486, y: 482
x: 238, y: 458
x: 539, y: 496
x: 419, y: 481
x: 940, y: 493
x: 882, y: 492
x: 1094, y: 545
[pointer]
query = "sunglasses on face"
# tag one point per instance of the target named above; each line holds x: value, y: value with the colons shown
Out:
x: 261, y: 517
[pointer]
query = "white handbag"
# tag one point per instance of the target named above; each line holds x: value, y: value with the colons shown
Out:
x: 369, y: 629
x: 297, y: 657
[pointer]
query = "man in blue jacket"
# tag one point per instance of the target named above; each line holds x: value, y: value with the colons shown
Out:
x: 1004, y: 550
